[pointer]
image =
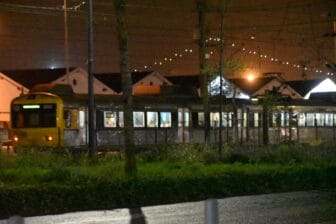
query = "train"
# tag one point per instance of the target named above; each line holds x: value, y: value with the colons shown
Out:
x: 53, y: 117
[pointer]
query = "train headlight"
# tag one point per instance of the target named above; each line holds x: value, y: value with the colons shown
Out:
x: 48, y: 138
x: 16, y: 138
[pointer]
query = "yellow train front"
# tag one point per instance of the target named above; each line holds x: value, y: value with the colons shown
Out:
x: 37, y: 120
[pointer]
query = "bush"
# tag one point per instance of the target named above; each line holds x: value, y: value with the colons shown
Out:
x: 157, y: 184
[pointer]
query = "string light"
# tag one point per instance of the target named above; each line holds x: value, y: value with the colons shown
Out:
x: 210, y: 40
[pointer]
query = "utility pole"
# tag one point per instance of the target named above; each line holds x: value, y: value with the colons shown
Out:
x: 334, y: 38
x: 221, y: 57
x: 91, y: 131
x: 66, y: 41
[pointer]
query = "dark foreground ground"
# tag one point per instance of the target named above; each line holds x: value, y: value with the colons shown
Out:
x: 293, y: 207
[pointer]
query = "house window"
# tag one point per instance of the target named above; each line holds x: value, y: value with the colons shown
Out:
x: 74, y: 82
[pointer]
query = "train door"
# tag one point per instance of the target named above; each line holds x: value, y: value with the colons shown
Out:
x: 75, y: 127
x: 183, y: 133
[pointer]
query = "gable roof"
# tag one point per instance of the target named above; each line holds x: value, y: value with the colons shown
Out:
x: 113, y: 80
x: 30, y: 77
x: 78, y: 79
x: 12, y: 83
x: 323, y: 96
x: 185, y: 80
x: 250, y: 87
x: 303, y: 86
x: 154, y: 78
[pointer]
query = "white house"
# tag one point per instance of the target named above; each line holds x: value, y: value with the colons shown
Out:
x: 261, y: 85
x: 9, y: 89
x: 150, y: 83
x: 78, y: 79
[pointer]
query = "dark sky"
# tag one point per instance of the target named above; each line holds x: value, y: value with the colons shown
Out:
x: 267, y: 36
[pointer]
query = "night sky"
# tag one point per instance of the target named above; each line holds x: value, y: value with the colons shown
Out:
x: 267, y: 36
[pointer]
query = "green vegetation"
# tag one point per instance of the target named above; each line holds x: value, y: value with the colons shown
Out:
x: 44, y: 183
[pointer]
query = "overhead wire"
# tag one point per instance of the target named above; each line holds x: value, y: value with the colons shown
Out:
x: 40, y: 9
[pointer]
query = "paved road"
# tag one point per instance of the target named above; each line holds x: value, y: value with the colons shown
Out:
x: 296, y: 207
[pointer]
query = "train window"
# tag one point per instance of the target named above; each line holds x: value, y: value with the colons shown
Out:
x: 152, y: 119
x: 121, y: 119
x: 301, y: 119
x: 165, y: 120
x: 239, y: 117
x: 284, y: 122
x: 329, y: 119
x: 180, y: 119
x: 139, y: 119
x: 214, y: 119
x: 67, y: 118
x: 310, y: 120
x: 244, y: 119
x: 29, y: 116
x: 274, y: 120
x: 33, y: 119
x: 186, y: 119
x: 183, y: 118
x: 200, y: 116
x: 319, y: 119
x: 256, y: 119
x: 110, y: 119
x: 227, y: 119
x: 81, y: 119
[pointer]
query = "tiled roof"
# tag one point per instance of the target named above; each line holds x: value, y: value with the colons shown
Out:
x: 323, y: 96
x: 250, y: 87
x: 185, y: 80
x: 31, y: 77
x: 113, y: 80
x: 303, y: 86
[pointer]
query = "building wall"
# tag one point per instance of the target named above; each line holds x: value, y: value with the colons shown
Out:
x: 9, y: 89
x: 78, y: 79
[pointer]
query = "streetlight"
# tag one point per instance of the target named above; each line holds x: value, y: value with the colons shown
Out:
x: 250, y: 77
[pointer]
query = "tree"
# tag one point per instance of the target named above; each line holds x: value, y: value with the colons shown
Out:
x: 125, y: 70
x: 269, y: 101
x: 201, y: 7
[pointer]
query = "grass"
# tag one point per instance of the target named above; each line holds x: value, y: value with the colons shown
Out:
x: 44, y: 183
